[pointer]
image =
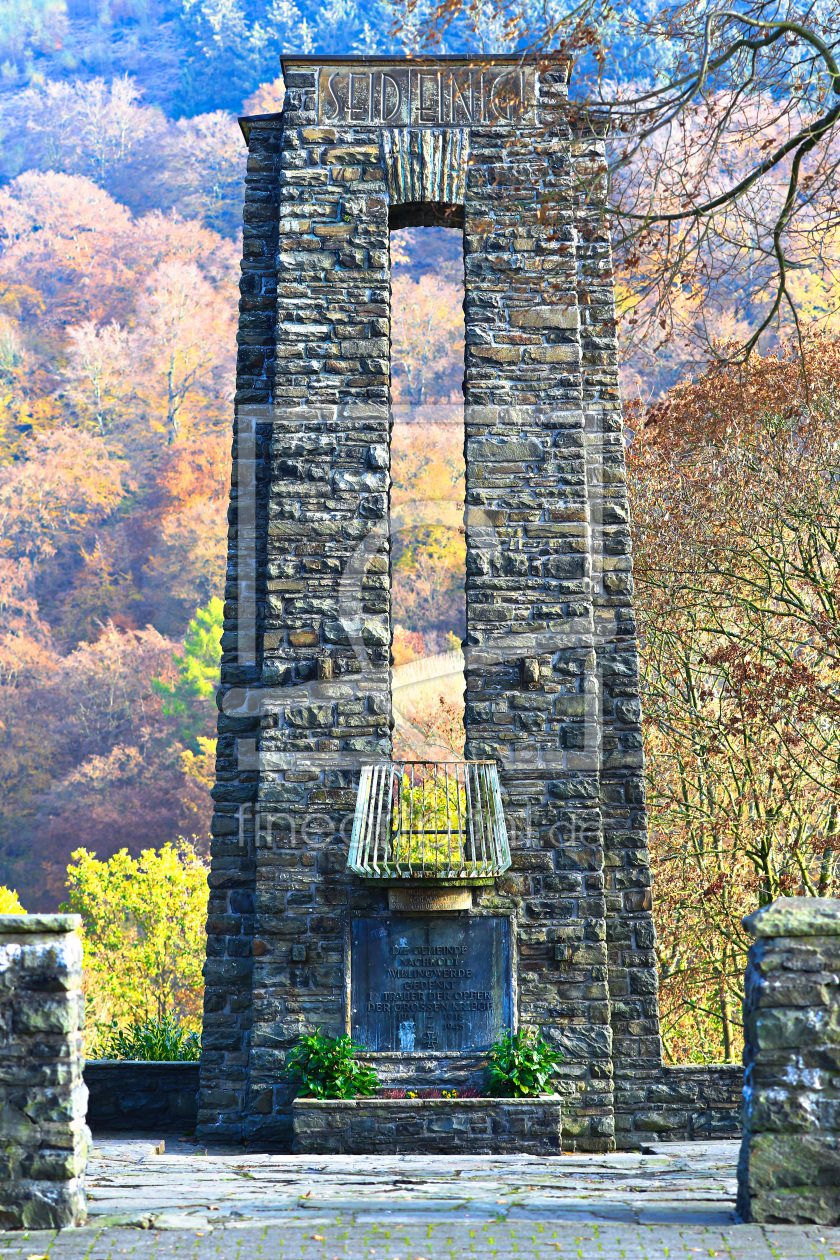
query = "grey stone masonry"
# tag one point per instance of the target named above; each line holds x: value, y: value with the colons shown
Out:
x: 789, y: 1169
x: 141, y: 1097
x: 434, y: 1126
x: 684, y: 1103
x: 487, y: 147
x: 44, y: 1136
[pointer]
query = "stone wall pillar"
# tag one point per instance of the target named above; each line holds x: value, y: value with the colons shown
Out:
x: 616, y: 741
x: 44, y: 1099
x: 226, y: 1034
x: 789, y: 1170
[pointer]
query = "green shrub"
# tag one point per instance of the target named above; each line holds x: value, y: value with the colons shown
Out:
x: 520, y: 1065
x: 155, y: 1040
x: 325, y: 1068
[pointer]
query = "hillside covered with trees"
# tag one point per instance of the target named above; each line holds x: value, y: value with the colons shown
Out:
x: 119, y: 257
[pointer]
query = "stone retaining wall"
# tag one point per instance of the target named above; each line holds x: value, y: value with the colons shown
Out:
x: 789, y: 1170
x: 140, y: 1097
x: 434, y: 1126
x: 687, y: 1103
x: 43, y: 1136
x: 682, y: 1104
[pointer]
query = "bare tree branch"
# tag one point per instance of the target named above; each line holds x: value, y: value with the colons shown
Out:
x: 721, y: 171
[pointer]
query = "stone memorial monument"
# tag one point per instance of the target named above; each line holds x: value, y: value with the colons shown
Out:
x: 544, y: 918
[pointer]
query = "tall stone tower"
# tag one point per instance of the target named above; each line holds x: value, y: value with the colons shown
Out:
x: 485, y: 146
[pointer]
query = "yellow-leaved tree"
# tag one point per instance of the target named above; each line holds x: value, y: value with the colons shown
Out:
x: 10, y: 902
x: 144, y: 934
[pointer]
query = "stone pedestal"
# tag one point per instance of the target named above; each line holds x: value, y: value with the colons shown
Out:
x: 44, y: 1099
x: 789, y: 1170
x: 427, y: 1126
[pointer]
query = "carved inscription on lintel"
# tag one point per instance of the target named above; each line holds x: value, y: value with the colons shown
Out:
x: 418, y: 96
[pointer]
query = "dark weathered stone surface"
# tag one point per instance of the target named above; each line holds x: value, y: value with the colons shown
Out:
x: 429, y: 983
x: 42, y: 1095
x: 141, y: 1097
x: 305, y: 671
x: 789, y: 1169
x: 434, y: 1126
x: 682, y: 1104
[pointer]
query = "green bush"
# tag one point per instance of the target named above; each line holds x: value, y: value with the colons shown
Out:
x: 520, y: 1065
x: 155, y: 1040
x: 325, y: 1068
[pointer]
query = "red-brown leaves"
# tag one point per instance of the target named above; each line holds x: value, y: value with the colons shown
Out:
x: 736, y: 507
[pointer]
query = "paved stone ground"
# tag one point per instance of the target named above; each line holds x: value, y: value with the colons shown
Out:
x: 672, y: 1201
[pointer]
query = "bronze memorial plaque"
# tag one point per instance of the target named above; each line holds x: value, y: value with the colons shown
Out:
x: 433, y: 983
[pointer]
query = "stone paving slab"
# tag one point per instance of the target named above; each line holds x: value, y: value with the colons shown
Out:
x: 154, y: 1201
x: 138, y: 1182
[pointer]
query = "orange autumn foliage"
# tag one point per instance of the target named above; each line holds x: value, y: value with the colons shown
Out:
x: 735, y: 492
x: 116, y: 356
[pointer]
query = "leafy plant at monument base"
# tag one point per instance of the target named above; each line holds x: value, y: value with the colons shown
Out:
x: 520, y: 1065
x: 154, y: 1040
x: 326, y: 1068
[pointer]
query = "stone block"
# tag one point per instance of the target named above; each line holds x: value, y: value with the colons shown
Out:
x: 789, y: 1167
x: 781, y: 1177
x: 504, y: 450
x: 43, y: 1097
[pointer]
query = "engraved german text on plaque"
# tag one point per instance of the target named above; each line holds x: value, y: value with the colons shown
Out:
x: 429, y: 983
